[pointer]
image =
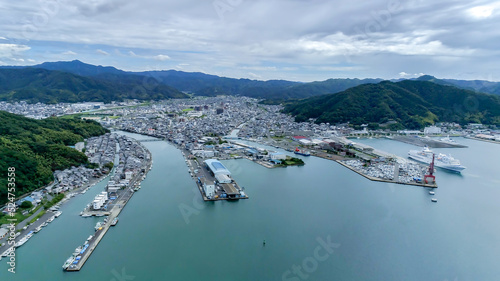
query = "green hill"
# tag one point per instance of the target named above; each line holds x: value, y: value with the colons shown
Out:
x: 47, y: 86
x: 412, y: 103
x: 36, y: 148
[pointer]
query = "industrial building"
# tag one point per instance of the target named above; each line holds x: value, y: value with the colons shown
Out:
x: 223, y: 178
x: 216, y: 167
x: 99, y: 200
x: 208, y: 188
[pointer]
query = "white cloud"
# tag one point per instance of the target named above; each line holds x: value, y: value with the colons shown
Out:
x: 101, y: 52
x: 12, y: 50
x: 481, y: 12
x: 161, y: 57
x: 254, y: 76
x: 299, y: 38
x: 69, y: 53
x: 3, y: 38
x: 404, y: 74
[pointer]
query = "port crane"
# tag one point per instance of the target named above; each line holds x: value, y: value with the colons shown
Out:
x: 431, y: 171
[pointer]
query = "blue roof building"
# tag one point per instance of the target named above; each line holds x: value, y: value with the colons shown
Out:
x: 216, y: 167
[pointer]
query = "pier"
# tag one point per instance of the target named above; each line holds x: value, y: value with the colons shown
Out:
x: 420, y: 141
x: 396, y: 172
x: 202, y: 176
x: 118, y: 204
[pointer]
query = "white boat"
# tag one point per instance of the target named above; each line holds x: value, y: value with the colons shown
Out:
x: 68, y: 262
x: 51, y: 219
x: 434, y: 200
x: 432, y: 192
x: 440, y: 160
x: 448, y: 140
x: 57, y: 214
x: 98, y: 225
x: 21, y: 241
x: 78, y: 250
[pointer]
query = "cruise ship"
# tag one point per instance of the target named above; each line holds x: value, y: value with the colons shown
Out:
x: 441, y: 160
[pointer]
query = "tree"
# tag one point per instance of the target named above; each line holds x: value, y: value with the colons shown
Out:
x: 26, y: 204
x: 109, y: 165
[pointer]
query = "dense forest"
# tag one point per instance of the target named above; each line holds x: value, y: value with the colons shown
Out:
x: 414, y: 104
x: 36, y: 148
x: 202, y: 84
x: 157, y: 85
x: 48, y: 86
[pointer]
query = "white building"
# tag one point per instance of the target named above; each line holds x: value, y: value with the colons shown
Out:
x: 99, y: 200
x: 128, y: 175
x: 209, y: 189
x: 432, y: 130
x: 277, y: 156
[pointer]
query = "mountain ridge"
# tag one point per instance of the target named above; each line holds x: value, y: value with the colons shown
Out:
x: 413, y: 104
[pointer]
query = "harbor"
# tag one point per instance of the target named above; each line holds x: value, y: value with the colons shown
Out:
x: 319, y: 199
x: 214, y: 180
x: 109, y: 204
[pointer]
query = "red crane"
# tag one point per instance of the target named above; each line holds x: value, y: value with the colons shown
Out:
x: 431, y: 171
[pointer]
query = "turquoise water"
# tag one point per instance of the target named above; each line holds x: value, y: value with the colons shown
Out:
x: 381, y: 231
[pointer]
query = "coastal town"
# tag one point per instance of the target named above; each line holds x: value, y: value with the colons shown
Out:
x: 134, y: 161
x: 207, y: 130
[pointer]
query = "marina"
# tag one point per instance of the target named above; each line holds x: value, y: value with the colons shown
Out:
x: 112, y: 205
x: 319, y: 199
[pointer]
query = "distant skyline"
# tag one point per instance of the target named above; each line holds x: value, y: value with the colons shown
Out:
x: 292, y: 40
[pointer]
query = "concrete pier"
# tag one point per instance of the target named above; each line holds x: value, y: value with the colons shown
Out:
x: 434, y: 185
x: 118, y: 206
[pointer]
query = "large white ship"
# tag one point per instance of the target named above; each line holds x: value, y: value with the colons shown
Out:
x: 441, y: 160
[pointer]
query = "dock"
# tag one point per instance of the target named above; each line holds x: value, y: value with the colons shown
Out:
x: 118, y: 206
x: 396, y: 172
x: 420, y: 141
x: 201, y: 175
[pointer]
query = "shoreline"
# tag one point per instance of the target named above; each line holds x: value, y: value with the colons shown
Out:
x: 485, y: 140
x: 113, y: 213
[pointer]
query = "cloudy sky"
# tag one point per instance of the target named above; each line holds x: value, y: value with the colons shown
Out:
x: 296, y: 40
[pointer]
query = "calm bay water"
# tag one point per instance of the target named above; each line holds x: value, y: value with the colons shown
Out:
x: 383, y: 231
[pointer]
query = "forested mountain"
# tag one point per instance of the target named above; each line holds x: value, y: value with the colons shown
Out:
x: 48, y: 86
x: 412, y: 103
x: 36, y: 148
x: 209, y: 85
x: 480, y: 86
x: 156, y: 84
